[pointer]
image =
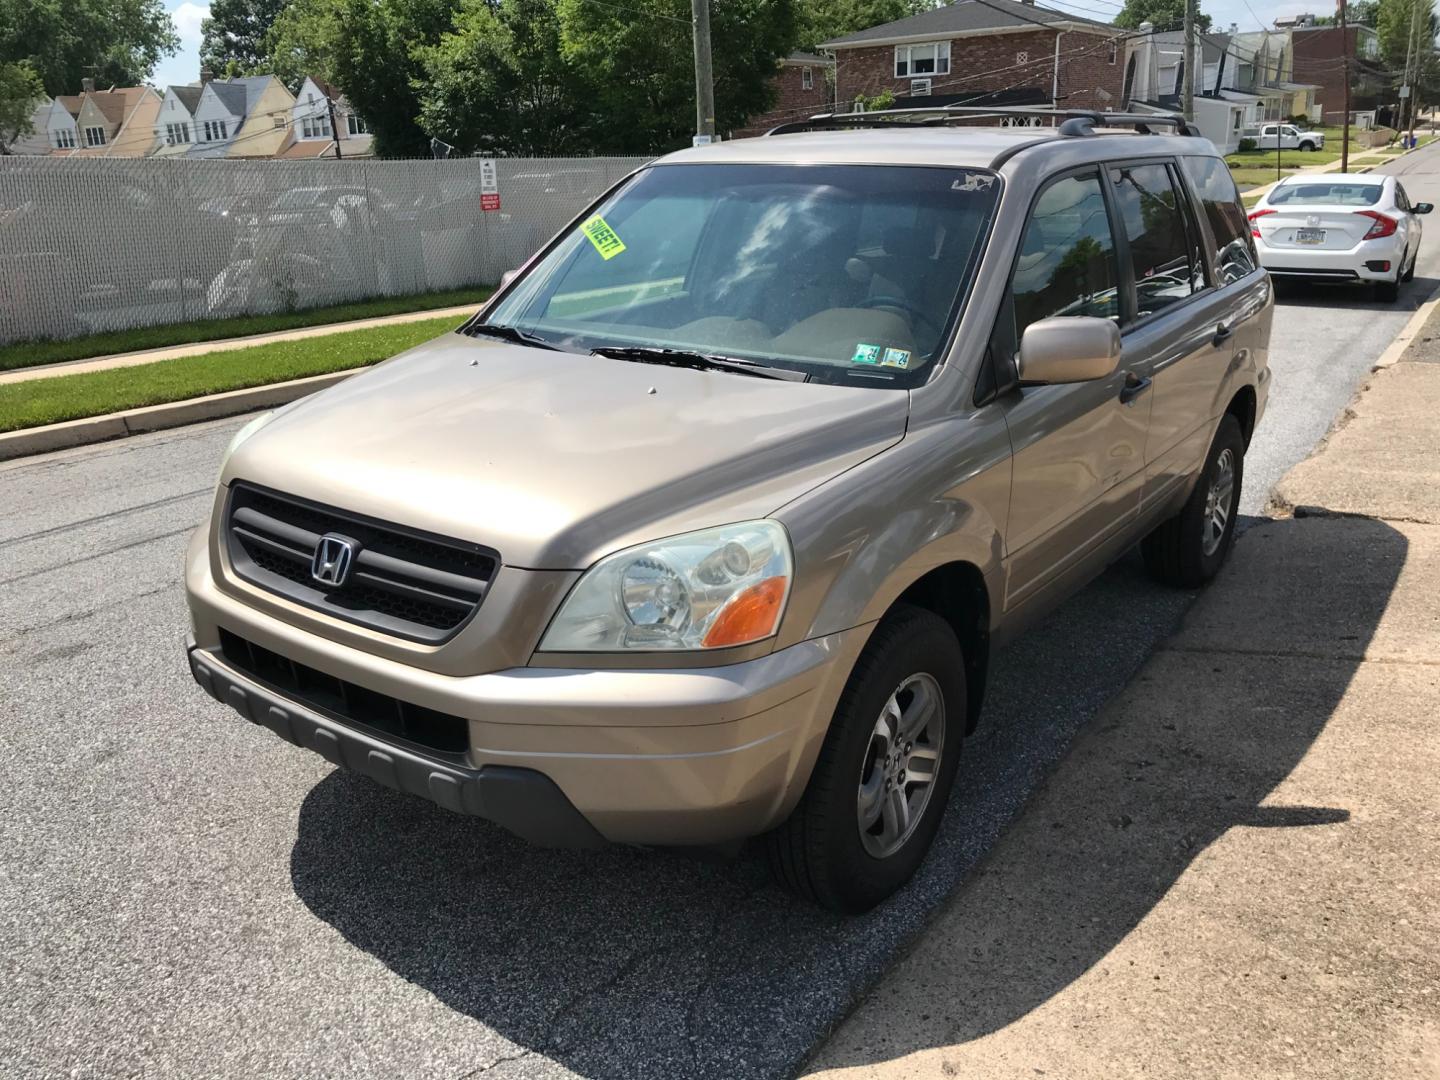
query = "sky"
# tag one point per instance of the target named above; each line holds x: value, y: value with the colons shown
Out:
x: 184, y: 66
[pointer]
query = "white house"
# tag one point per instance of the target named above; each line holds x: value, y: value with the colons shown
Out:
x: 175, y: 127
x: 310, y: 124
x: 219, y: 113
x: 62, y: 128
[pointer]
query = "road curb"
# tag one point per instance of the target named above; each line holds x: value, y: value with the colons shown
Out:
x: 1411, y: 330
x: 96, y: 429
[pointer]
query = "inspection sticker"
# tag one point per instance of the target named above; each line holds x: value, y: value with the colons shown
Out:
x: 896, y: 358
x: 603, y: 237
x: 866, y: 354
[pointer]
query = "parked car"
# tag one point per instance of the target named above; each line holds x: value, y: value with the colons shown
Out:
x: 707, y: 526
x: 1356, y: 228
x: 1290, y: 138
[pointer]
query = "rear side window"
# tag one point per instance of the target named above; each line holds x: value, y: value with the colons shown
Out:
x: 1067, y: 262
x: 1234, y: 254
x: 1167, y: 268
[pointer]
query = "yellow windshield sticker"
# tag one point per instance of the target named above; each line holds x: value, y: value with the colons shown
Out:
x: 603, y: 237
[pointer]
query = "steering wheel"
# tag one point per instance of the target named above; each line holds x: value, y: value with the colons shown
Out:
x: 916, y: 315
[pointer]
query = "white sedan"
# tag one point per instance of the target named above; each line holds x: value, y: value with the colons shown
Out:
x: 1346, y: 227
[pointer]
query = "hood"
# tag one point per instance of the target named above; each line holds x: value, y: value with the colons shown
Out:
x: 555, y: 459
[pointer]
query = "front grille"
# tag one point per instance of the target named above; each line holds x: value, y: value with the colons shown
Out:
x: 445, y: 735
x: 403, y: 582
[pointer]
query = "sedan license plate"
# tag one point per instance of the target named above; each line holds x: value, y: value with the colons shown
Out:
x: 1309, y: 236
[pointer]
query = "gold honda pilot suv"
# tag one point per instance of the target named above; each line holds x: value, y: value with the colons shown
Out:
x: 707, y: 525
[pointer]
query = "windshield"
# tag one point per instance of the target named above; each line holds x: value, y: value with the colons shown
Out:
x: 1343, y: 194
x: 849, y: 273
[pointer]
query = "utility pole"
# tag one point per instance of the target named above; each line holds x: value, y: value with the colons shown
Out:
x: 704, y: 76
x: 334, y: 127
x: 1189, y: 69
x: 1345, y: 133
x: 1407, y: 102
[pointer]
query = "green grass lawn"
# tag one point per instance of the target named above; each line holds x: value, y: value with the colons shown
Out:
x: 1258, y: 159
x: 1250, y: 178
x: 71, y: 397
x: 34, y: 353
x: 1250, y: 200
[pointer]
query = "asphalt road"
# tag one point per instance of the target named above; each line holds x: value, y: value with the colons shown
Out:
x: 183, y: 894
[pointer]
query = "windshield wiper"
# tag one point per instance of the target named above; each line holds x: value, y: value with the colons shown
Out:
x: 681, y: 358
x: 512, y: 333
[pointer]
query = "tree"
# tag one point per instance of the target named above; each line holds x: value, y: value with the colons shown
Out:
x: 1162, y: 14
x: 818, y: 21
x: 1393, y: 21
x: 116, y: 42
x: 370, y: 50
x: 235, y: 33
x: 20, y: 91
x: 499, y: 82
x: 639, y: 61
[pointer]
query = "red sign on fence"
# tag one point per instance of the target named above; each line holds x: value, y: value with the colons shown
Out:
x: 490, y: 202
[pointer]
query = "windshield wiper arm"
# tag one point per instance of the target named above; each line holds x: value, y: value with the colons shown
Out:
x: 681, y: 358
x: 512, y: 333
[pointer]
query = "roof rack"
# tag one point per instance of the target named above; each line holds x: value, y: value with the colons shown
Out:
x: 1076, y: 122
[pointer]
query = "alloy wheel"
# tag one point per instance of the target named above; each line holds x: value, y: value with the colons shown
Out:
x: 1218, y: 502
x: 901, y: 763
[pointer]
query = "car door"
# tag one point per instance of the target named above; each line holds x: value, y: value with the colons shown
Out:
x: 1180, y: 340
x: 1409, y: 223
x: 1078, y: 449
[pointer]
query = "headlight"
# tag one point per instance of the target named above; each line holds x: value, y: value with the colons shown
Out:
x: 703, y: 590
x: 244, y: 433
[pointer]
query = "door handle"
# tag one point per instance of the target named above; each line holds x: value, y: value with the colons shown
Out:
x: 1223, y: 334
x: 1134, y: 387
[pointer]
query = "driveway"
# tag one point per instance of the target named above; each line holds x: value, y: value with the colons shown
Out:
x: 183, y: 894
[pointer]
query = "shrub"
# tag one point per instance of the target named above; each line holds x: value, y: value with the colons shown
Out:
x: 1247, y: 144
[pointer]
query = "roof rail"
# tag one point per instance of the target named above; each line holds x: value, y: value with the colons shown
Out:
x: 1075, y: 122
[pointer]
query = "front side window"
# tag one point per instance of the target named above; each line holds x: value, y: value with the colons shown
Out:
x: 847, y: 273
x: 1066, y: 264
x: 931, y: 58
x: 65, y: 139
x: 94, y: 136
x: 1167, y: 266
x: 356, y: 126
x: 1234, y: 247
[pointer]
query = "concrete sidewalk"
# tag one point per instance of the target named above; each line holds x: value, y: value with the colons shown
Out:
x: 199, y: 348
x: 1233, y: 873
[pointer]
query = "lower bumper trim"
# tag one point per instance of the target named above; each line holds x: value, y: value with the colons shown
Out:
x: 523, y: 801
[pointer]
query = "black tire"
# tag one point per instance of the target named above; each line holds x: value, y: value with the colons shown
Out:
x: 819, y: 853
x: 1307, y: 146
x: 1387, y: 292
x: 1176, y: 552
x: 1409, y: 274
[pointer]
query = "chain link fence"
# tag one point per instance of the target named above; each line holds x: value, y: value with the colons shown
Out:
x: 89, y: 245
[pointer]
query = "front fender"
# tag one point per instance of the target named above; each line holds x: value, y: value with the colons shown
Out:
x: 941, y: 495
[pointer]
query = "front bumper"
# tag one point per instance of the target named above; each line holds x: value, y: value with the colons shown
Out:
x: 673, y: 756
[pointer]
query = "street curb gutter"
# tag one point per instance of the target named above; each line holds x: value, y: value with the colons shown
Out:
x: 95, y: 429
x: 1412, y: 328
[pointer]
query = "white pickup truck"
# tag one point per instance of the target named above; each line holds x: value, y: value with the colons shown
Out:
x: 1291, y: 138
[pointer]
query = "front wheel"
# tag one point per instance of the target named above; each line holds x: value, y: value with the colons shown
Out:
x: 1189, y: 549
x: 884, y: 773
x: 1307, y: 146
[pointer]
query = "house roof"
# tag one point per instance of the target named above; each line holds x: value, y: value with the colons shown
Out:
x: 231, y: 95
x: 189, y: 96
x: 70, y: 103
x: 965, y: 17
x: 807, y: 58
x: 1211, y: 45
x: 254, y: 85
x: 112, y: 103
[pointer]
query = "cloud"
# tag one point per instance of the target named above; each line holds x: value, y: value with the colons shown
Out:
x: 188, y: 17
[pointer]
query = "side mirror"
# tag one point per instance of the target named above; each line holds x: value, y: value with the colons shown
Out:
x: 507, y: 277
x: 1424, y: 207
x: 1069, y: 349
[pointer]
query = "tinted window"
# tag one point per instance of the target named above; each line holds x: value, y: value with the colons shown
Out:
x: 1234, y: 254
x: 1402, y: 201
x: 1343, y: 193
x: 1167, y: 269
x: 1066, y: 264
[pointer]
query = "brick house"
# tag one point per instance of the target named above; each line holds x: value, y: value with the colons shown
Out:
x: 1317, y: 57
x: 803, y: 87
x: 994, y: 52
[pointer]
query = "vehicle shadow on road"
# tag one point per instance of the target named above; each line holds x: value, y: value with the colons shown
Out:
x: 1304, y: 294
x: 627, y: 963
